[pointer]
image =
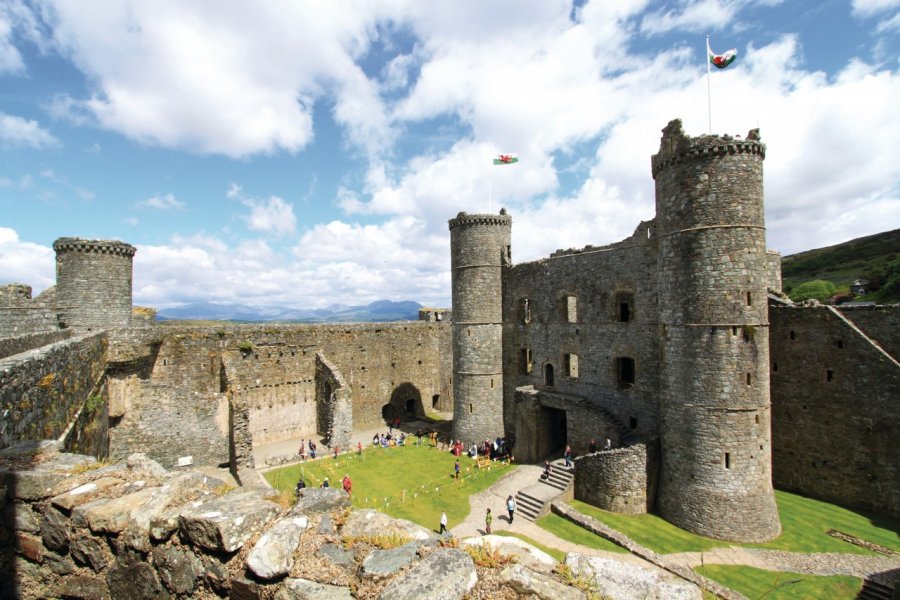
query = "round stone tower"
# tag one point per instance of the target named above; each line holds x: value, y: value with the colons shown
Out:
x: 716, y: 469
x: 479, y: 251
x: 93, y: 283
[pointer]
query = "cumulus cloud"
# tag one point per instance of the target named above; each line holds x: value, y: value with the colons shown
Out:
x: 273, y: 215
x: 17, y: 131
x: 25, y: 262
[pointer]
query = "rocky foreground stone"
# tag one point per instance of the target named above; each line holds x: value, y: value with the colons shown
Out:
x: 74, y: 528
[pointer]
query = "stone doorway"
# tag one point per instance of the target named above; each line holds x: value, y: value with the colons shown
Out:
x: 552, y: 432
x: 405, y: 404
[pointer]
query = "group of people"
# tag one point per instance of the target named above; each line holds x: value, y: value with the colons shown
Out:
x: 388, y: 440
x: 346, y: 483
x: 607, y: 445
x: 488, y: 516
x: 312, y: 449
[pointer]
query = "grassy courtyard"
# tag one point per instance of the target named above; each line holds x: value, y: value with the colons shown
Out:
x: 778, y: 585
x: 408, y: 482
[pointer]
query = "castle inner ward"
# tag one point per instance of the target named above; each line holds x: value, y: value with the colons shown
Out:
x: 675, y: 343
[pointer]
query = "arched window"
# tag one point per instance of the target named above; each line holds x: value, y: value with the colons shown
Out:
x: 548, y: 375
x: 624, y: 307
x: 625, y: 372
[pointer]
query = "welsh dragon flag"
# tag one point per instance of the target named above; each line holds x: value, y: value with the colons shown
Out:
x: 720, y: 61
x: 505, y: 159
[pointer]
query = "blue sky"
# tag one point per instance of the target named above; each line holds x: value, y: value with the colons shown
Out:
x: 310, y: 153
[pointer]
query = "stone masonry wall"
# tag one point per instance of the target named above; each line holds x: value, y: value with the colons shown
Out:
x: 15, y: 345
x: 621, y: 480
x: 835, y: 411
x: 21, y: 315
x: 880, y: 323
x: 335, y: 404
x: 575, y: 325
x: 41, y: 391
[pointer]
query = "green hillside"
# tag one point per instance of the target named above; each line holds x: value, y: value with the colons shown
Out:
x: 875, y: 257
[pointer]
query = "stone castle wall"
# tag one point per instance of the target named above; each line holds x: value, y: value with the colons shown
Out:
x: 575, y: 326
x: 20, y: 315
x: 880, y: 323
x: 24, y: 343
x: 621, y: 480
x: 270, y: 379
x: 41, y: 391
x: 835, y: 415
x: 335, y: 419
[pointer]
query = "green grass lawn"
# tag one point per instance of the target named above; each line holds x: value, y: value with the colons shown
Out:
x: 567, y: 530
x: 774, y: 585
x: 804, y: 523
x: 407, y: 482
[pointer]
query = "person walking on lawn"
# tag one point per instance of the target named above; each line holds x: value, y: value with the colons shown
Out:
x: 511, y: 507
x: 443, y: 522
x: 488, y: 519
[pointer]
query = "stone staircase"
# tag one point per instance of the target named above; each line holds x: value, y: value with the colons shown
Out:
x: 875, y: 590
x: 534, y: 501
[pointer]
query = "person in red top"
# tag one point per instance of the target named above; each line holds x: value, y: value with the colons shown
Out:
x: 347, y: 484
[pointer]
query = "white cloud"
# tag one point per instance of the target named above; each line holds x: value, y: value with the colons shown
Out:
x: 270, y: 216
x: 867, y: 8
x: 889, y: 25
x: 10, y: 59
x: 693, y: 15
x: 16, y: 131
x: 166, y: 202
x: 25, y: 262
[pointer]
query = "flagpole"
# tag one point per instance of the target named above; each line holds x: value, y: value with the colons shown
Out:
x: 491, y: 188
x: 708, y: 92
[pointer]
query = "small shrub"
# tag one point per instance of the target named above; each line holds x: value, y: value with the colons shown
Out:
x: 580, y: 582
x: 384, y: 541
x: 283, y: 499
x: 245, y: 346
x: 486, y: 555
x: 93, y: 404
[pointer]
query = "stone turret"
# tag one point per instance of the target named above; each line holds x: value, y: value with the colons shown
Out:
x: 715, y: 413
x: 480, y: 251
x: 93, y: 283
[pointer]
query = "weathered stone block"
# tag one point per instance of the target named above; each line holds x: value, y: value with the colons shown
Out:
x: 446, y: 574
x: 272, y: 556
x: 225, y: 524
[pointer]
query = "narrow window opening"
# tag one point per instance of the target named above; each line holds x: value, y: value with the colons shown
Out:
x: 492, y: 383
x: 624, y: 307
x: 434, y: 400
x: 548, y: 375
x: 748, y: 379
x: 632, y: 422
x: 756, y: 418
x: 793, y: 335
x: 571, y: 365
x: 839, y: 344
x: 471, y: 408
x: 775, y: 367
x: 727, y: 460
x: 734, y: 331
x: 570, y: 308
x: 829, y: 375
x: 525, y: 361
x: 625, y: 371
x: 469, y: 332
x: 749, y: 299
x: 525, y: 310
x: 165, y: 361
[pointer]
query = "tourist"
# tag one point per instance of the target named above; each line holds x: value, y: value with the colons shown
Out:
x: 359, y: 447
x: 302, y: 449
x: 312, y: 449
x: 546, y: 473
x: 592, y: 447
x: 456, y: 468
x: 419, y: 434
x: 607, y: 444
x: 336, y: 452
x: 443, y: 522
x: 347, y: 484
x: 511, y: 507
x: 325, y: 483
x: 568, y: 456
x: 376, y: 440
x: 488, y: 519
x: 300, y: 485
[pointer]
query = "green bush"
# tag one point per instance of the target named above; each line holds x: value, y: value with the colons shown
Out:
x: 818, y: 289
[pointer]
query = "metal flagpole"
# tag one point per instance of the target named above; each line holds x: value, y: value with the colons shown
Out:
x: 491, y: 186
x: 708, y: 92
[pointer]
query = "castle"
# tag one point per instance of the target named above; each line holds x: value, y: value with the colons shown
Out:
x: 674, y: 342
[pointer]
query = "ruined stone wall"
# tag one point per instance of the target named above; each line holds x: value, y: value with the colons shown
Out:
x: 835, y: 414
x: 714, y: 395
x: 576, y: 326
x: 621, y: 480
x: 21, y: 315
x: 773, y: 270
x: 15, y: 345
x: 335, y: 404
x: 880, y: 323
x: 41, y: 391
x: 272, y: 381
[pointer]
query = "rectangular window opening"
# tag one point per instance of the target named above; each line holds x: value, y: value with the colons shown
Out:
x: 727, y: 460
x: 471, y: 409
x: 749, y: 379
x: 749, y: 299
x: 829, y: 375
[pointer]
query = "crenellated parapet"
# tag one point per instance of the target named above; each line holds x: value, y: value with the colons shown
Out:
x: 67, y: 244
x: 676, y: 147
x: 466, y: 220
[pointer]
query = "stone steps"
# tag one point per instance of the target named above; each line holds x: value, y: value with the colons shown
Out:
x: 875, y: 590
x: 534, y: 501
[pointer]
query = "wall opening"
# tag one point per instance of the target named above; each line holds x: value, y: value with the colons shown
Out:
x: 632, y: 422
x: 829, y: 375
x: 550, y: 432
x: 570, y: 364
x: 749, y: 379
x: 625, y: 372
x: 435, y: 400
x: 839, y: 344
x: 548, y: 375
x: 525, y: 361
x: 793, y: 335
x: 570, y: 309
x: 727, y: 460
x: 624, y: 307
x: 405, y: 403
x: 524, y: 310
x: 749, y: 299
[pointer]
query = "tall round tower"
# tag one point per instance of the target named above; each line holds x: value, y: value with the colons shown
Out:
x: 479, y: 250
x: 93, y: 283
x: 716, y: 471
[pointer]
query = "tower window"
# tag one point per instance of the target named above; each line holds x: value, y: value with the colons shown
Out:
x: 525, y: 361
x: 570, y: 309
x: 548, y: 375
x: 570, y: 362
x: 749, y: 379
x: 624, y: 307
x: 829, y: 375
x: 471, y: 408
x: 793, y: 335
x: 625, y: 371
x: 727, y: 460
x: 749, y: 299
x: 839, y: 344
x: 524, y: 310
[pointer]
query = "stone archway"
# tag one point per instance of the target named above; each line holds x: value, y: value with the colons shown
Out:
x: 405, y: 403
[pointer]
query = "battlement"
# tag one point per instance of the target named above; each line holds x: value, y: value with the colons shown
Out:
x: 67, y: 244
x: 466, y: 220
x: 677, y: 147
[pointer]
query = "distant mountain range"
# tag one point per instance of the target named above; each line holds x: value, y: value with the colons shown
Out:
x: 378, y: 311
